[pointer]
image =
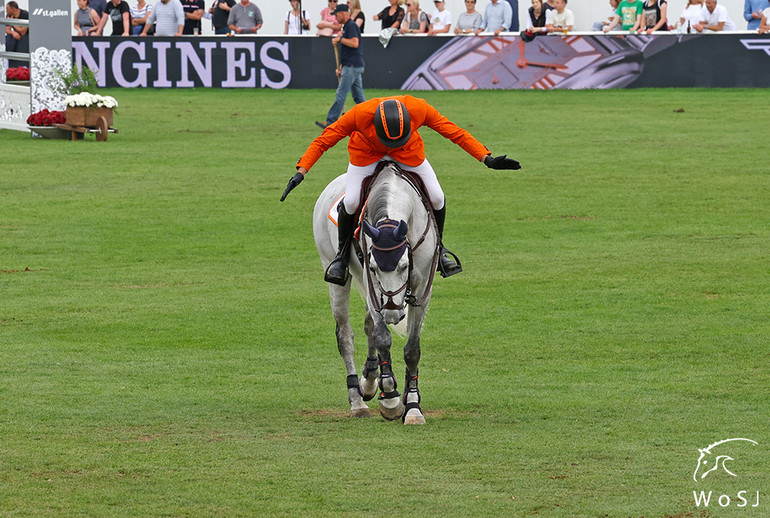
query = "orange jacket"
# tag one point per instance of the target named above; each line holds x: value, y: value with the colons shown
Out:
x: 364, y: 146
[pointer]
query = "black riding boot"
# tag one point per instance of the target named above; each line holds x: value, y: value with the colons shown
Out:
x: 446, y: 266
x: 337, y: 271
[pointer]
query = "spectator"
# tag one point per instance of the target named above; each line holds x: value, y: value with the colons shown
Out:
x: 654, y: 16
x: 86, y: 19
x: 356, y: 14
x: 139, y: 15
x: 562, y: 19
x: 245, y: 17
x: 193, y: 12
x: 416, y: 20
x: 328, y: 25
x: 752, y: 12
x: 168, y: 17
x: 514, y: 26
x: 628, y: 14
x: 764, y: 26
x: 296, y: 22
x: 392, y: 16
x: 100, y: 6
x: 690, y: 15
x: 715, y: 18
x: 441, y: 20
x: 351, y: 64
x: 469, y: 21
x: 220, y: 11
x: 597, y: 26
x: 120, y: 14
x: 497, y: 18
x: 16, y: 36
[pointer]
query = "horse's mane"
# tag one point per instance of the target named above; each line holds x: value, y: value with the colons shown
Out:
x: 386, y: 186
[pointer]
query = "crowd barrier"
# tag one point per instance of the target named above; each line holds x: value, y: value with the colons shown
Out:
x: 574, y: 61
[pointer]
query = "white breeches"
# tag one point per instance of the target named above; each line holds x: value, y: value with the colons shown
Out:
x: 356, y: 175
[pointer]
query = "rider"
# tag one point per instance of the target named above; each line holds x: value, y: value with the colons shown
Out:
x: 387, y: 127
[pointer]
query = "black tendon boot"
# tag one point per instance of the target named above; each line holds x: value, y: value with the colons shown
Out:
x: 446, y: 266
x: 337, y: 271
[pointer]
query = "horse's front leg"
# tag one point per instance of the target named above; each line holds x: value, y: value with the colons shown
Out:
x: 340, y: 302
x: 368, y: 382
x: 412, y: 410
x: 391, y: 406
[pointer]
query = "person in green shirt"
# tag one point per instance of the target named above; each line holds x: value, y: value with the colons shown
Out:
x: 628, y: 14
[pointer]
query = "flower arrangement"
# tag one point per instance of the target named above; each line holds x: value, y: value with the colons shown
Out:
x: 88, y: 100
x: 46, y: 118
x: 17, y: 74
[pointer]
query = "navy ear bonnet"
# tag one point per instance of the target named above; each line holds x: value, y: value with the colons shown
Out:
x: 388, y: 242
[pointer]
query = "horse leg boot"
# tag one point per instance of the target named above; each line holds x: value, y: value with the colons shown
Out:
x: 412, y: 411
x: 391, y: 406
x: 446, y: 266
x: 337, y: 271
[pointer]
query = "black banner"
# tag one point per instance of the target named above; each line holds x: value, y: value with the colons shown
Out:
x: 420, y: 63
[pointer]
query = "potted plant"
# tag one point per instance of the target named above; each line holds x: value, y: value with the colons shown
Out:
x: 43, y: 123
x: 85, y: 109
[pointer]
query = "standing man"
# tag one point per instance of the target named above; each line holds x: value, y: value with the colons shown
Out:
x: 497, y: 18
x: 351, y: 68
x: 245, y: 17
x: 168, y: 16
x: 193, y: 12
x: 16, y: 37
x: 752, y: 12
x: 714, y: 18
x: 120, y: 14
x: 220, y: 12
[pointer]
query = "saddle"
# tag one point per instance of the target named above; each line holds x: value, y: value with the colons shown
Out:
x: 410, y: 177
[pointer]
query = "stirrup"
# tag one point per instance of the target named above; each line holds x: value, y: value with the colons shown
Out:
x: 446, y: 267
x: 335, y: 277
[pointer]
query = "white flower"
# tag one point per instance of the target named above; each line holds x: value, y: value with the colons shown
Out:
x: 86, y: 99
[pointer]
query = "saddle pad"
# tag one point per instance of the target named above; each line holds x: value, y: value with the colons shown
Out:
x: 334, y: 214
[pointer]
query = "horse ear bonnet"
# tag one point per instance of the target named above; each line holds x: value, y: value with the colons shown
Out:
x: 388, y: 243
x: 392, y: 122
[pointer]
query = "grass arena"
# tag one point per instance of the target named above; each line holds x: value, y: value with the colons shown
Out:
x: 168, y: 347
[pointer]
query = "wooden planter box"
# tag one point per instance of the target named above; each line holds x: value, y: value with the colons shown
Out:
x: 80, y: 116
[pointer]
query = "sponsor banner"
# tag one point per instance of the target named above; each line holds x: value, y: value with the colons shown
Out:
x: 459, y: 63
x: 50, y: 44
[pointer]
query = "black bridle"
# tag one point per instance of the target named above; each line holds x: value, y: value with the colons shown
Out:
x: 378, y: 303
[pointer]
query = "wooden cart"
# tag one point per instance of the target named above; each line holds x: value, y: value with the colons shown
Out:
x: 88, y: 120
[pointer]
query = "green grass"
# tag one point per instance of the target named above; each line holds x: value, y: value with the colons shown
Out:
x: 168, y: 350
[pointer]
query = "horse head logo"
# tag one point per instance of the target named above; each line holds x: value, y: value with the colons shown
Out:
x: 706, y: 458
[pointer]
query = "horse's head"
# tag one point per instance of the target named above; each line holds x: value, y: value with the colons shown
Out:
x: 389, y: 267
x: 708, y: 462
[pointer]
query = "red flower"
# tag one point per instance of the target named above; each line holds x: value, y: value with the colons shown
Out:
x: 46, y: 118
x: 17, y: 74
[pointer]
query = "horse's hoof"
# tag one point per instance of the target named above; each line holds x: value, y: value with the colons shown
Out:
x: 361, y: 412
x: 368, y: 390
x: 391, y: 409
x: 414, y: 419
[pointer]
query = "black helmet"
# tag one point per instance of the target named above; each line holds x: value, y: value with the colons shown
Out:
x: 391, y: 120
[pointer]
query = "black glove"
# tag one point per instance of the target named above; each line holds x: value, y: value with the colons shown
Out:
x: 295, y: 181
x: 501, y: 162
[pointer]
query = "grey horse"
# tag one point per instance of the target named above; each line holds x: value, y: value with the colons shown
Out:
x: 399, y: 248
